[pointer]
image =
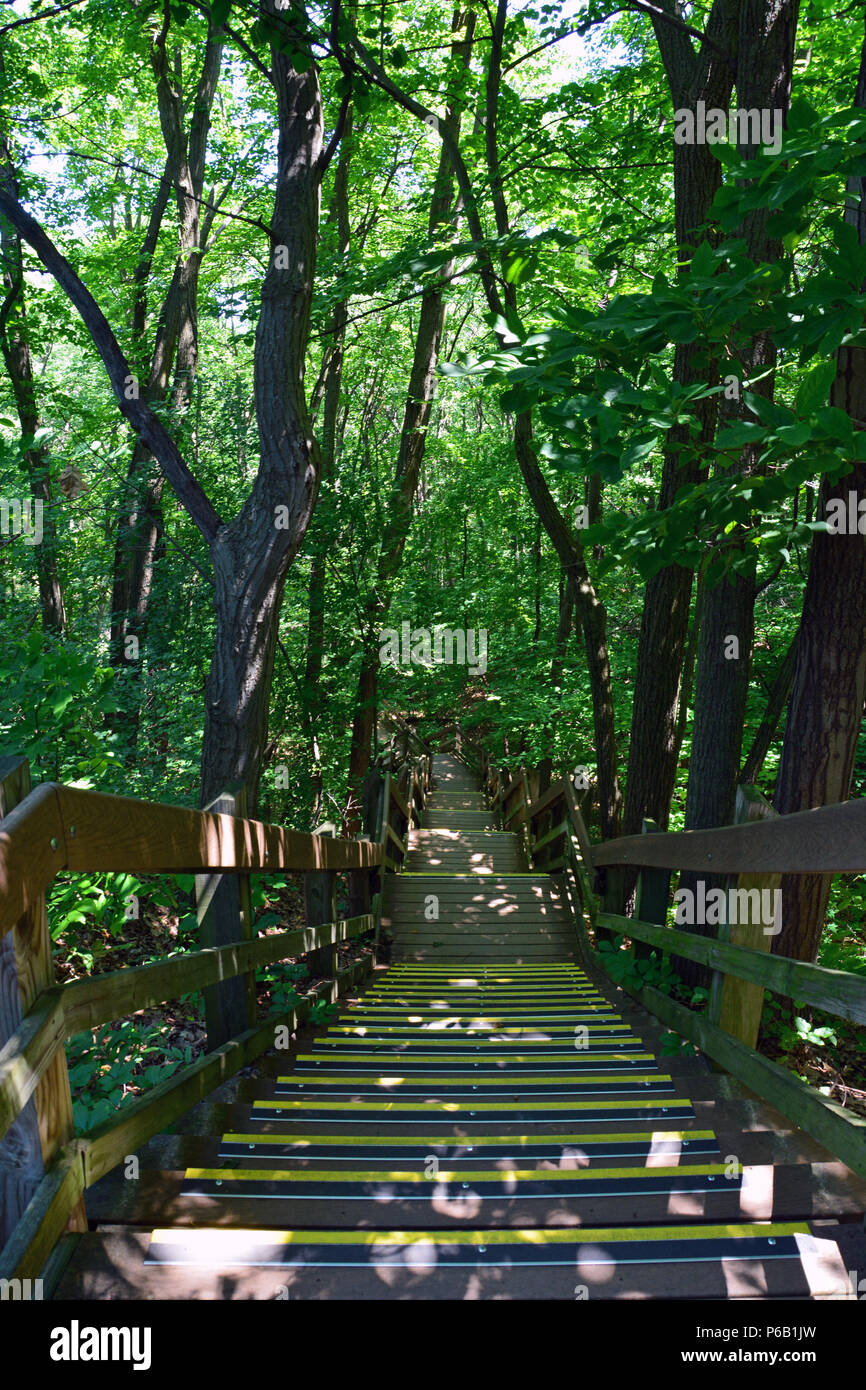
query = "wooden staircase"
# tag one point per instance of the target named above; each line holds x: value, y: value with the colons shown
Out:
x: 483, y: 1122
x: 467, y: 892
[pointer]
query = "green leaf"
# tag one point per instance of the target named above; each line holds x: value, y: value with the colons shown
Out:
x: 815, y: 387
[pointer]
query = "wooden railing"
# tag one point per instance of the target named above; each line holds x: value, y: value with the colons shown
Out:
x: 402, y: 802
x: 752, y: 854
x: 44, y: 1166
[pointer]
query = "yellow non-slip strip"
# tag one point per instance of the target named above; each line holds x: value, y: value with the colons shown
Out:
x: 483, y: 1043
x: 498, y: 972
x: 512, y: 991
x: 412, y: 1175
x: 380, y: 1106
x: 502, y: 1141
x: 415, y: 1013
x: 552, y: 989
x: 513, y: 1083
x: 469, y: 1058
x: 374, y: 1032
x: 527, y: 998
x: 545, y: 990
x: 208, y: 1237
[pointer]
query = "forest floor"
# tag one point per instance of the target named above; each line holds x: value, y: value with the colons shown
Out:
x: 121, y: 1059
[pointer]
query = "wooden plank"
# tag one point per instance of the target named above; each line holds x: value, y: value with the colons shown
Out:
x: 28, y: 1054
x: 392, y: 837
x: 359, y: 890
x: 52, y: 1208
x: 557, y: 833
x: 384, y: 804
x: 837, y: 1129
x: 838, y: 991
x: 579, y: 865
x: 653, y: 892
x: 741, y: 1003
x: 33, y: 1141
x: 108, y: 834
x: 513, y: 789
x: 320, y: 905
x: 399, y: 799
x: 555, y: 793
x: 119, y: 993
x: 109, y: 1143
x: 32, y: 851
x: 831, y: 839
x: 224, y: 917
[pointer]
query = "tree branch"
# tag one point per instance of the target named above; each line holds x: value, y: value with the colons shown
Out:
x: 144, y: 422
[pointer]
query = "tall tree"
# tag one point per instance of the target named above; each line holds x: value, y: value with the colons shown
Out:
x: 705, y: 74
x: 18, y: 360
x: 764, y: 72
x: 252, y: 552
x: 444, y: 208
x: 825, y: 710
x: 175, y: 352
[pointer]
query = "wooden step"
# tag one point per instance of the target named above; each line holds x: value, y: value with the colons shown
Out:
x: 333, y: 1196
x: 696, y: 1262
x: 448, y: 818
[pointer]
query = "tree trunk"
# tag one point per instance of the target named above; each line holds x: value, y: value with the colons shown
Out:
x: 332, y: 378
x: 766, y: 57
x: 15, y: 346
x: 776, y: 701
x: 252, y: 554
x: 416, y: 418
x: 825, y: 710
x: 655, y: 738
x: 140, y: 522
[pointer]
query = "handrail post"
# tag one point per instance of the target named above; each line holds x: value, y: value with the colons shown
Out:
x: 737, y: 1005
x: 33, y: 1142
x: 224, y: 910
x: 653, y: 892
x: 320, y: 906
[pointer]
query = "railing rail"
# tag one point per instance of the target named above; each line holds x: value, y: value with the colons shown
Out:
x: 828, y: 840
x: 55, y: 829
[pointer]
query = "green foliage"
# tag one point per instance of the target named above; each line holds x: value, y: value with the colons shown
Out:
x: 108, y: 1067
x: 791, y: 1030
x: 624, y: 968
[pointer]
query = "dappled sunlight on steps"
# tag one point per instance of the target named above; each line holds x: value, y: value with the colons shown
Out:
x: 481, y: 1123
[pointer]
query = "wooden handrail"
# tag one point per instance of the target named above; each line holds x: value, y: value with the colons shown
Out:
x: 398, y: 798
x: 555, y: 792
x: 60, y: 828
x: 828, y: 840
x: 839, y: 992
x: 70, y: 1008
x: 57, y: 828
x: 88, y: 1159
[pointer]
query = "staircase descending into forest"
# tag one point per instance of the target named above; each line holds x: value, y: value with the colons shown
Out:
x: 466, y: 893
x: 481, y: 1122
